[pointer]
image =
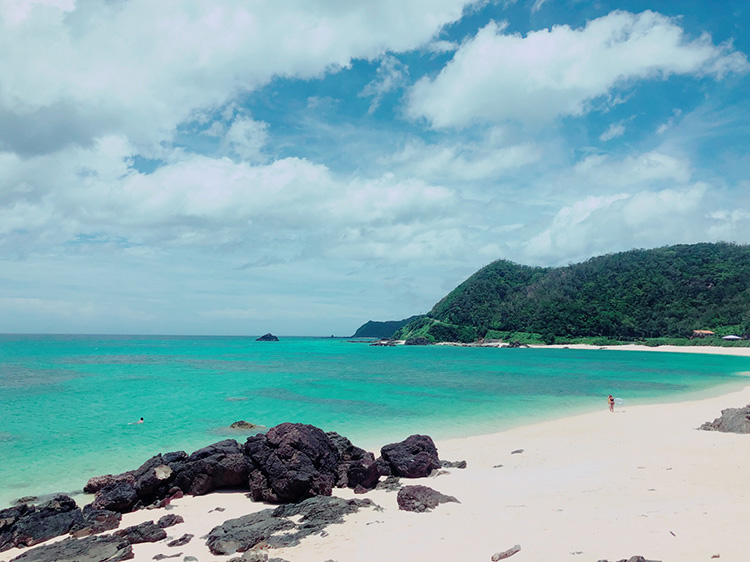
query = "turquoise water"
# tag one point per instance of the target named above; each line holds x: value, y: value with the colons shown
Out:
x: 67, y: 401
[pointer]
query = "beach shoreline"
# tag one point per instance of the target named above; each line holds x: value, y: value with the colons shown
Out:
x: 586, y: 487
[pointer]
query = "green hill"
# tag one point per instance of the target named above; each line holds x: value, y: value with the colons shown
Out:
x: 661, y: 293
x: 373, y: 329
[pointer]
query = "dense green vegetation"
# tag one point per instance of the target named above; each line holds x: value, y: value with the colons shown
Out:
x: 640, y: 295
x: 373, y: 329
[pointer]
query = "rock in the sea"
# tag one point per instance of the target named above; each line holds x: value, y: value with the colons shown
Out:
x: 421, y: 498
x: 290, y: 463
x: 243, y: 425
x: 27, y: 525
x: 147, y: 531
x: 732, y: 420
x: 91, y: 549
x: 414, y: 457
x: 267, y: 337
x: 275, y: 526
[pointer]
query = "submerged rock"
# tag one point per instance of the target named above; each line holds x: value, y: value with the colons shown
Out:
x: 242, y: 424
x: 732, y: 420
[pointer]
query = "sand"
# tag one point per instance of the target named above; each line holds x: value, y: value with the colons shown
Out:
x: 602, y: 485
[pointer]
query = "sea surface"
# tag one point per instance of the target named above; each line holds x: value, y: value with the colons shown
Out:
x: 67, y: 403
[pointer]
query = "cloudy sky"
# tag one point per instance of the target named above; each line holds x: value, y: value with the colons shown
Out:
x: 300, y: 167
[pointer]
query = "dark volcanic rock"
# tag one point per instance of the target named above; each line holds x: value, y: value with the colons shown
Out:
x: 633, y: 559
x: 183, y: 540
x: 274, y: 527
x: 98, y: 482
x: 421, y: 498
x: 390, y: 484
x: 453, y: 464
x: 147, y: 531
x: 221, y: 465
x: 356, y: 466
x: 154, y: 478
x: 96, y: 521
x: 732, y: 420
x: 27, y: 525
x: 119, y: 496
x: 243, y: 533
x: 417, y: 341
x: 267, y: 337
x: 170, y: 520
x: 290, y: 463
x: 90, y: 549
x: 415, y: 457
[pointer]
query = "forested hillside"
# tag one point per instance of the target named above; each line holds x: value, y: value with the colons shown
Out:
x: 665, y: 292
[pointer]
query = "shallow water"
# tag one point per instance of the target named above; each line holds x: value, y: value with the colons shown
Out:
x: 67, y: 402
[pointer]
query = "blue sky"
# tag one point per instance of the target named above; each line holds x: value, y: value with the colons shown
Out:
x: 241, y: 167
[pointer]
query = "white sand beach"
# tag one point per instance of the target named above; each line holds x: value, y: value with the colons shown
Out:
x: 709, y: 349
x: 641, y: 480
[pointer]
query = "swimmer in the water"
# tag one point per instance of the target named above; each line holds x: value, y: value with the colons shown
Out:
x: 135, y: 423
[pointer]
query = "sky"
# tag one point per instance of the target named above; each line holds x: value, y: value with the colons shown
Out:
x: 301, y: 167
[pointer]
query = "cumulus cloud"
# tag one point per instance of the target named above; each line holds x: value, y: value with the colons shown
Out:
x: 74, y: 71
x: 498, y: 76
x: 597, y: 224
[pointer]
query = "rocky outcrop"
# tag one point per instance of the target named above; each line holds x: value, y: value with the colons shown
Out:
x: 90, y: 549
x: 356, y: 466
x: 98, y: 482
x: 421, y: 498
x: 170, y: 520
x: 419, y: 340
x: 28, y: 525
x: 147, y: 531
x: 414, y: 457
x: 732, y: 420
x: 453, y: 464
x: 267, y: 337
x: 221, y: 465
x: 182, y: 541
x: 290, y: 463
x: 96, y: 521
x: 275, y: 527
x: 119, y: 496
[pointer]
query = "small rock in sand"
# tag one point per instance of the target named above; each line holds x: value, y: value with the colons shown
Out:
x: 506, y: 553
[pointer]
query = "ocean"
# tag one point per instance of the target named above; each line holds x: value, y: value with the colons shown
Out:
x: 67, y: 403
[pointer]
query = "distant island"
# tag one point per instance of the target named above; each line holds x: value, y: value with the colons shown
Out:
x: 670, y: 295
x: 373, y: 329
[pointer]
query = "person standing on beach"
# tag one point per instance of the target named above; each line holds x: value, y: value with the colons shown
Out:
x: 611, y: 402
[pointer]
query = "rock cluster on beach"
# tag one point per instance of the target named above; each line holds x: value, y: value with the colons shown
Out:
x: 292, y: 463
x: 732, y: 420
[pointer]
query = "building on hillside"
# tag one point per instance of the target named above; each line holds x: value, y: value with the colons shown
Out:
x: 702, y: 333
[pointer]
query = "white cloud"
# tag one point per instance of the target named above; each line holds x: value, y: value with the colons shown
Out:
x: 391, y: 75
x: 496, y: 76
x: 615, y: 130
x: 73, y: 72
x: 599, y: 172
x: 537, y: 5
x: 599, y: 224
